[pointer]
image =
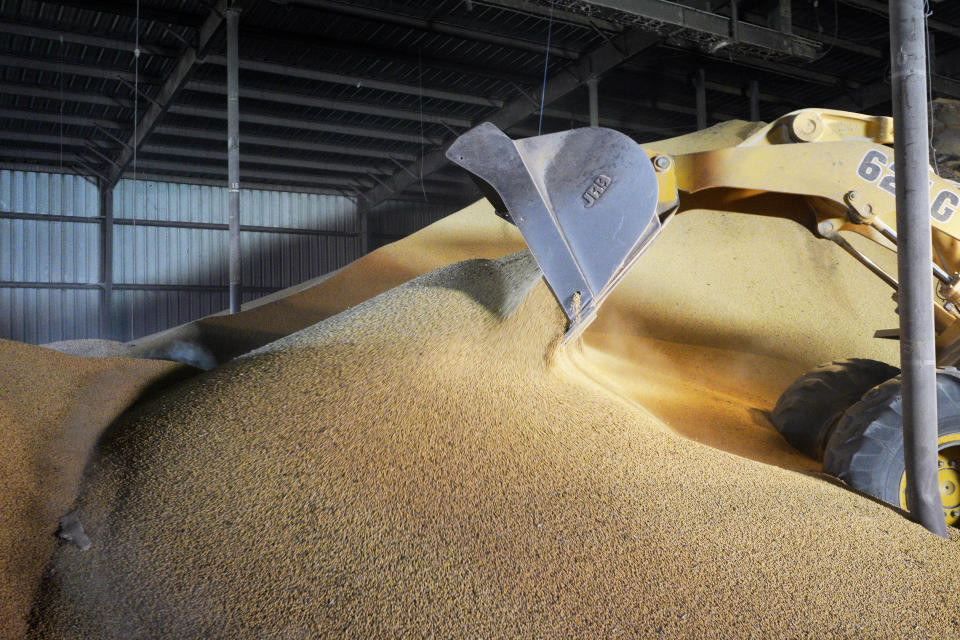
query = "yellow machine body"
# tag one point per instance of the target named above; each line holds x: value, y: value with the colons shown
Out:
x: 830, y: 171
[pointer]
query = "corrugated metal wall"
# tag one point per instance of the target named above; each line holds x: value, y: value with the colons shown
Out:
x: 299, y: 236
x: 394, y: 219
x: 53, y: 241
x: 169, y: 250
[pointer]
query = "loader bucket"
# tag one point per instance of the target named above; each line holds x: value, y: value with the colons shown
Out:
x: 585, y: 201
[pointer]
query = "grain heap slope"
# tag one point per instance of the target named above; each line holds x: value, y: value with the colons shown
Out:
x: 428, y: 463
x: 53, y: 408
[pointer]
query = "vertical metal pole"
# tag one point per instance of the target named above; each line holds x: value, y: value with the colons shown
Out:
x: 785, y: 16
x: 735, y: 21
x: 106, y: 261
x: 701, y: 84
x: 233, y: 155
x: 914, y: 260
x: 754, y: 93
x: 594, y: 102
x: 364, y: 223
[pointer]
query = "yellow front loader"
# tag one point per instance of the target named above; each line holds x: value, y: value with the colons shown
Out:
x: 590, y: 201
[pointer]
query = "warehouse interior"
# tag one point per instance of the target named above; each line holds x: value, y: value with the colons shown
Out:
x: 282, y: 354
x: 345, y: 109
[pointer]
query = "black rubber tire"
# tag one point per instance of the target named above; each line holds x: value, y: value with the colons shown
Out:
x: 866, y: 448
x: 808, y: 410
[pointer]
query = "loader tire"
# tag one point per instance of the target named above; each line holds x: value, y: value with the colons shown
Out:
x: 809, y: 409
x: 866, y: 448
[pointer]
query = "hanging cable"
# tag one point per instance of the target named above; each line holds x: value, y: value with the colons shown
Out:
x: 423, y: 189
x: 546, y: 65
x: 927, y: 12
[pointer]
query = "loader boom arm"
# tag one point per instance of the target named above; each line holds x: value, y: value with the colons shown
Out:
x: 830, y: 171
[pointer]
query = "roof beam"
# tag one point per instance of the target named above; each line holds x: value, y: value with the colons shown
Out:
x: 602, y: 59
x: 182, y: 70
x: 559, y: 14
x: 683, y: 75
x: 436, y: 26
x: 41, y: 138
x: 316, y: 187
x: 794, y: 71
x: 256, y: 158
x: 203, y: 134
x: 285, y: 143
x: 220, y: 169
x: 66, y: 95
x: 307, y: 125
x: 103, y: 42
x: 48, y: 156
x: 129, y: 9
x: 278, y: 176
x: 612, y: 122
x: 412, y: 89
x: 56, y: 118
x: 328, y: 46
x: 825, y: 38
x: 350, y: 106
x: 171, y: 151
x: 713, y: 24
x: 339, y: 46
x: 652, y: 104
x: 530, y: 8
x: 75, y: 68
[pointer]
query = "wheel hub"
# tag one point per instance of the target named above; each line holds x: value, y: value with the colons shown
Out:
x: 949, y: 476
x: 948, y: 479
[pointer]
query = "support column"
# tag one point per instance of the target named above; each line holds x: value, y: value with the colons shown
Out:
x: 735, y: 21
x: 754, y: 94
x: 233, y: 155
x: 914, y: 263
x: 363, y: 224
x: 701, y: 84
x: 594, y: 102
x: 785, y: 17
x: 106, y: 261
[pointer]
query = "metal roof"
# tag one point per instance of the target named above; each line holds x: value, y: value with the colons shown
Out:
x: 360, y: 97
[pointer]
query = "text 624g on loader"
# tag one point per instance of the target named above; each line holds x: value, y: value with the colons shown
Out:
x: 589, y: 201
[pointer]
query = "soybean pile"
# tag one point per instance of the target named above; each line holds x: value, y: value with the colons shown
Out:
x: 429, y: 463
x: 53, y: 408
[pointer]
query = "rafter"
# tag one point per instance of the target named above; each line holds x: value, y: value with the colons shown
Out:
x: 598, y: 61
x: 349, y: 106
x: 369, y: 82
x: 174, y: 83
x: 437, y: 26
x: 52, y: 65
x: 287, y: 143
x: 305, y: 125
x: 102, y: 42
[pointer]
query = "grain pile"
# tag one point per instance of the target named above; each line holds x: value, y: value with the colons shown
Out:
x: 471, y: 233
x: 428, y: 464
x: 53, y: 407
